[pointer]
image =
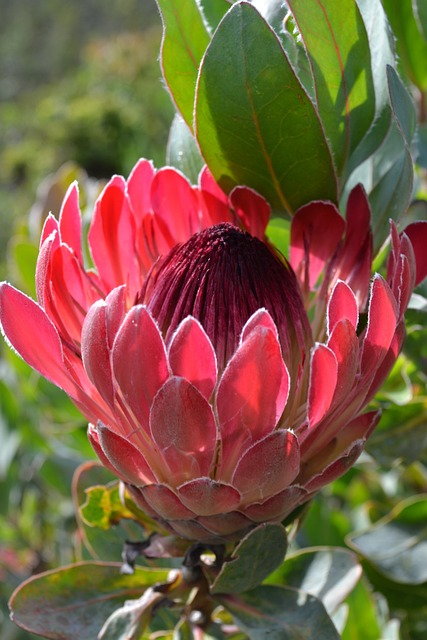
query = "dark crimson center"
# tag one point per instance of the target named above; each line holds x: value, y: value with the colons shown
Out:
x: 221, y: 276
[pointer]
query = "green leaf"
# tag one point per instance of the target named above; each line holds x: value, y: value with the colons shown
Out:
x: 401, y: 435
x: 23, y: 256
x: 388, y: 174
x: 103, y: 507
x: 279, y: 232
x: 213, y: 11
x: 403, y: 106
x: 422, y: 146
x: 99, y: 545
x: 325, y: 525
x: 337, y: 44
x: 398, y: 386
x: 420, y: 11
x: 359, y: 166
x: 393, y: 172
x: 286, y: 30
x: 254, y: 122
x: 396, y: 547
x: 185, y: 38
x: 182, y: 151
x: 399, y: 596
x: 328, y: 573
x: 362, y: 617
x: 254, y: 558
x: 74, y: 602
x: 410, y: 43
x: 280, y: 613
x: 387, y: 177
x: 414, y: 626
x: 381, y: 44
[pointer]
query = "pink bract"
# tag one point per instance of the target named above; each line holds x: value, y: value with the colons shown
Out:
x: 224, y: 385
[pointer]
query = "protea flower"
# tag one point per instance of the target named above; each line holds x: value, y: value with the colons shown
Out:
x: 224, y: 385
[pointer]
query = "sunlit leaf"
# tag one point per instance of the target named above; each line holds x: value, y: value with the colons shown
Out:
x: 411, y: 45
x: 362, y: 615
x: 278, y: 231
x: 382, y: 48
x: 10, y: 440
x: 185, y: 38
x: 103, y: 507
x: 381, y: 45
x: 338, y: 48
x: 212, y: 12
x: 182, y: 151
x: 102, y: 546
x: 254, y: 122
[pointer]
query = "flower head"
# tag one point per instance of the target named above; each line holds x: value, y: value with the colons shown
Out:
x: 224, y: 385
x: 221, y: 276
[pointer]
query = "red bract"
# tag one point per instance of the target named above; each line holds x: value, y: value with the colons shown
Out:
x: 224, y: 385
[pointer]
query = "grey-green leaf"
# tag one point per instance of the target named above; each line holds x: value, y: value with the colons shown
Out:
x: 182, y: 150
x: 397, y: 544
x: 328, y: 573
x: 280, y: 613
x: 254, y: 558
x: 74, y: 602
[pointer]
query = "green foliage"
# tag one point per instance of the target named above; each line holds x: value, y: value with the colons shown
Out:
x: 328, y: 573
x: 253, y: 559
x: 338, y: 48
x: 93, y: 591
x: 395, y: 547
x: 407, y: 19
x: 252, y: 131
x: 185, y: 38
x: 103, y: 507
x: 281, y: 613
x: 95, y: 113
x: 182, y: 151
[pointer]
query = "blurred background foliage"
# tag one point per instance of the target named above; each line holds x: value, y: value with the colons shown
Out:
x: 79, y: 82
x: 81, y: 97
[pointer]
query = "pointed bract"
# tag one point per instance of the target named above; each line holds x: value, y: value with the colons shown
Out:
x: 183, y: 428
x: 192, y: 356
x: 41, y: 348
x: 212, y: 396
